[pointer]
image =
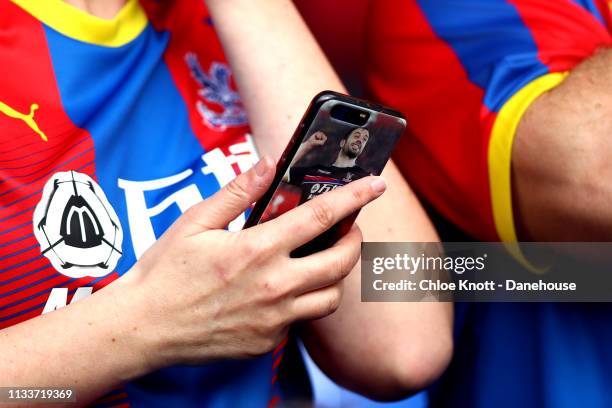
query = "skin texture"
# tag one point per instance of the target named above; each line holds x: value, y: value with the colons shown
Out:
x: 561, y: 159
x: 145, y: 325
x: 407, y: 345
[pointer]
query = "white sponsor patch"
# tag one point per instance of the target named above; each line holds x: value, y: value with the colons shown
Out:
x: 76, y: 227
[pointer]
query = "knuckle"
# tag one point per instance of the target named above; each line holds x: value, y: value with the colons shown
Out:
x: 273, y: 322
x: 265, y: 248
x: 344, y: 264
x: 323, y: 214
x: 358, y: 193
x: 257, y: 249
x: 333, y: 301
x: 272, y: 288
x: 192, y: 214
x: 237, y: 188
x: 249, y: 249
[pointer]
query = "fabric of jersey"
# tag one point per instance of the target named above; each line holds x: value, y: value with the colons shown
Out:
x: 463, y: 73
x: 319, y: 179
x: 144, y: 107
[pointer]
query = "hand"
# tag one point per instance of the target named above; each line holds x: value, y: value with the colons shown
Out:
x: 317, y: 139
x: 202, y: 293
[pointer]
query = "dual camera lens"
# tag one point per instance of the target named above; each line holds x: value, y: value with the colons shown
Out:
x: 350, y: 115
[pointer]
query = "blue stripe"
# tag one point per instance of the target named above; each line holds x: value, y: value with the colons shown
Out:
x: 496, y: 49
x: 6, y: 282
x: 18, y: 252
x: 30, y: 154
x: 21, y: 185
x: 127, y: 100
x: 21, y: 199
x: 23, y: 146
x: 2, y: 319
x: 591, y: 7
x: 16, y: 240
x: 322, y: 182
x: 146, y: 123
x: 38, y: 282
x: 45, y: 160
x: 17, y: 214
x: 17, y: 265
x: 15, y: 228
x: 48, y: 290
x: 52, y: 169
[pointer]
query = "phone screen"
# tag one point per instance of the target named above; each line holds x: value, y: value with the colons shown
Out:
x: 342, y: 143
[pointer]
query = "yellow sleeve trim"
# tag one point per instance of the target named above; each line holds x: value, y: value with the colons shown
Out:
x: 500, y: 157
x: 82, y: 26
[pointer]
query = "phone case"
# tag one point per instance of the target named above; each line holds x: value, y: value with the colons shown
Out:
x: 340, y: 139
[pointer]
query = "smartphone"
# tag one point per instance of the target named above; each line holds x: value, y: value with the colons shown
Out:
x: 340, y: 139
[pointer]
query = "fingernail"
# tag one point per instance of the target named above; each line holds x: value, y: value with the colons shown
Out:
x: 379, y: 185
x: 261, y: 166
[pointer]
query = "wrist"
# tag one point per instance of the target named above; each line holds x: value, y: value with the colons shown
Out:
x: 128, y: 311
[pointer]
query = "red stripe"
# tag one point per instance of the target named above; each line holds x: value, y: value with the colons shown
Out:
x: 275, y: 400
x: 32, y: 175
x: 320, y: 178
x: 42, y: 268
x: 11, y: 257
x: 277, y: 362
x: 43, y: 297
x: 21, y: 318
x: 48, y: 169
x: 189, y: 19
x: 83, y: 282
x: 604, y: 7
x: 27, y: 162
x: 564, y: 32
x: 46, y: 286
x: 445, y: 158
x: 22, y: 270
x: 280, y: 346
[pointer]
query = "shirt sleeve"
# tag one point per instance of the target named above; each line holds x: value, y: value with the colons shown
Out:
x: 464, y: 73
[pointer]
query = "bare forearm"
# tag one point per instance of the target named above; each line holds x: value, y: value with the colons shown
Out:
x: 277, y: 64
x: 278, y: 69
x: 385, y: 350
x: 561, y: 159
x: 88, y: 346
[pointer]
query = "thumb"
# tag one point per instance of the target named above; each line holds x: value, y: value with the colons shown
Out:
x: 228, y: 203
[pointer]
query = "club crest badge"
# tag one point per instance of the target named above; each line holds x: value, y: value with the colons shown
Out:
x: 227, y: 110
x: 76, y: 227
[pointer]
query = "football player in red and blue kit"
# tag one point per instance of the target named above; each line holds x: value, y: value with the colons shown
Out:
x: 510, y: 114
x: 317, y: 179
x: 117, y: 119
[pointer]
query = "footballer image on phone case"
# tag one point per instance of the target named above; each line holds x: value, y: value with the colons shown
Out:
x: 340, y: 139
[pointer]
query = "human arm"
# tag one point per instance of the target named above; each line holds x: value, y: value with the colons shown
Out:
x: 561, y: 159
x: 401, y: 346
x: 278, y: 69
x: 189, y: 299
x: 277, y: 65
x: 316, y: 139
